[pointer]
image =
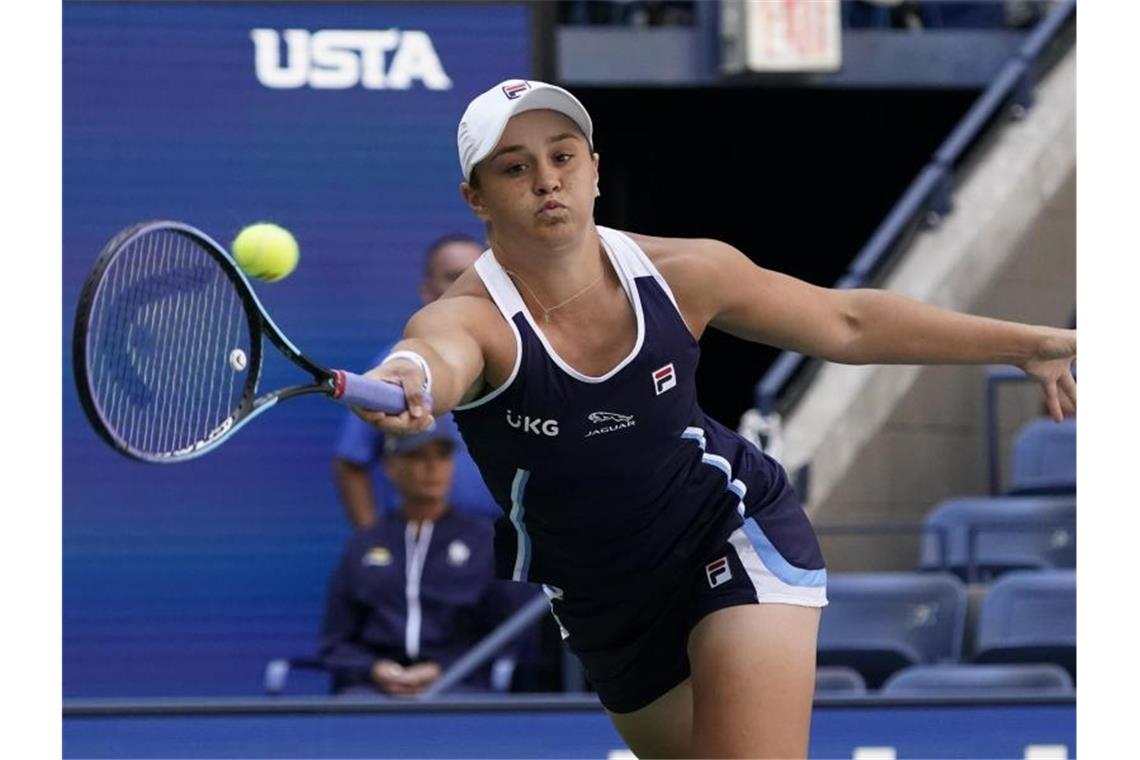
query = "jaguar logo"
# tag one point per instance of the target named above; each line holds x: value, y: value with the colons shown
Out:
x: 599, y: 417
x: 610, y: 421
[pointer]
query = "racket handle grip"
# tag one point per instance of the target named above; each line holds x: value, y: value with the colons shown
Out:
x: 373, y: 395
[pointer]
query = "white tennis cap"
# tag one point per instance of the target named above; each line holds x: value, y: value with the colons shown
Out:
x: 487, y: 115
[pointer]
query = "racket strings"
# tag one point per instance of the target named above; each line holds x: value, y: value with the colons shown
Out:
x: 165, y: 326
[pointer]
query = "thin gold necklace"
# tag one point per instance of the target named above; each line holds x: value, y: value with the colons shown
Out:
x: 545, y: 311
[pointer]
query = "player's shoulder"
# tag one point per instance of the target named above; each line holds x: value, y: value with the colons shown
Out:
x: 467, y: 288
x: 467, y: 298
x: 681, y: 258
x: 696, y: 270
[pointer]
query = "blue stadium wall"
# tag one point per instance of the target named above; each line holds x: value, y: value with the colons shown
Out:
x: 184, y: 580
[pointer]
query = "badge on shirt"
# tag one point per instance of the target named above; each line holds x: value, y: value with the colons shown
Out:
x: 377, y: 556
x: 458, y: 553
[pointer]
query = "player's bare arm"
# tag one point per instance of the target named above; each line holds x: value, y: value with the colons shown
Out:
x: 452, y: 335
x: 717, y: 285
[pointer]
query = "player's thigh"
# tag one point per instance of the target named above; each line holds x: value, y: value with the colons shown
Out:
x: 753, y: 678
x: 663, y: 728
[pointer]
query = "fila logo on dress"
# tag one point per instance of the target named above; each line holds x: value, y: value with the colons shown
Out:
x: 718, y: 572
x: 664, y: 378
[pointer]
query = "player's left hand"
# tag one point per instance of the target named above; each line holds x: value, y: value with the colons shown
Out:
x: 1051, y: 365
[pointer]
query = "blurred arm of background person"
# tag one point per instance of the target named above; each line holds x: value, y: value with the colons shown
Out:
x: 354, y: 487
x: 358, y: 446
x: 363, y: 491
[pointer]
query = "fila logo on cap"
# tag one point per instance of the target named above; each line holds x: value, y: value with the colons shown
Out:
x: 718, y: 572
x: 515, y: 89
x: 664, y: 379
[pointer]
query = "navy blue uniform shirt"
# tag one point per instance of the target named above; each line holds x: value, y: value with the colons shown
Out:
x: 611, y: 483
x: 410, y: 598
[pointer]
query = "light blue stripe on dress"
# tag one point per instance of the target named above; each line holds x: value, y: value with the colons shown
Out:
x: 522, y: 557
x: 719, y: 462
x: 775, y: 562
x: 765, y: 549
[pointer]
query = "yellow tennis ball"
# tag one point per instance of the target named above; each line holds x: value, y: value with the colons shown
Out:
x: 266, y: 251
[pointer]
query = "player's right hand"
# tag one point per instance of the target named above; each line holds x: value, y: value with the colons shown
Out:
x: 410, y: 377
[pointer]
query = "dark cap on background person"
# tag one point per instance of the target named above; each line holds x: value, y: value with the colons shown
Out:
x: 443, y: 430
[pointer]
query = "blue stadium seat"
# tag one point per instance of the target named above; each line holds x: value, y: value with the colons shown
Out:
x: 836, y: 679
x: 979, y: 680
x: 1045, y: 458
x: 1007, y: 532
x: 878, y: 623
x: 1030, y: 617
x: 277, y: 673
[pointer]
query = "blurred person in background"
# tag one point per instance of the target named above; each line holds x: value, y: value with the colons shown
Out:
x: 364, y: 489
x: 627, y: 12
x: 677, y: 557
x: 942, y: 14
x: 416, y: 590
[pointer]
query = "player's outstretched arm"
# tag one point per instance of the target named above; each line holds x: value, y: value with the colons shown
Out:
x: 893, y: 329
x: 443, y: 335
x: 722, y: 288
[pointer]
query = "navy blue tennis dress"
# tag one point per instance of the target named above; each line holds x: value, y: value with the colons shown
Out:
x: 638, y: 513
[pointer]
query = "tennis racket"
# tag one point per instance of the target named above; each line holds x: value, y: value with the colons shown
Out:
x: 168, y: 345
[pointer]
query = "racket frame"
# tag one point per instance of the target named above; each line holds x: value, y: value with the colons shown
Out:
x: 260, y: 325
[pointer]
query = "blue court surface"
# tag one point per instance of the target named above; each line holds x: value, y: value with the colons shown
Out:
x: 534, y: 727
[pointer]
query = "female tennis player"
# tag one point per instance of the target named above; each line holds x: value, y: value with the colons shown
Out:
x: 677, y: 558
